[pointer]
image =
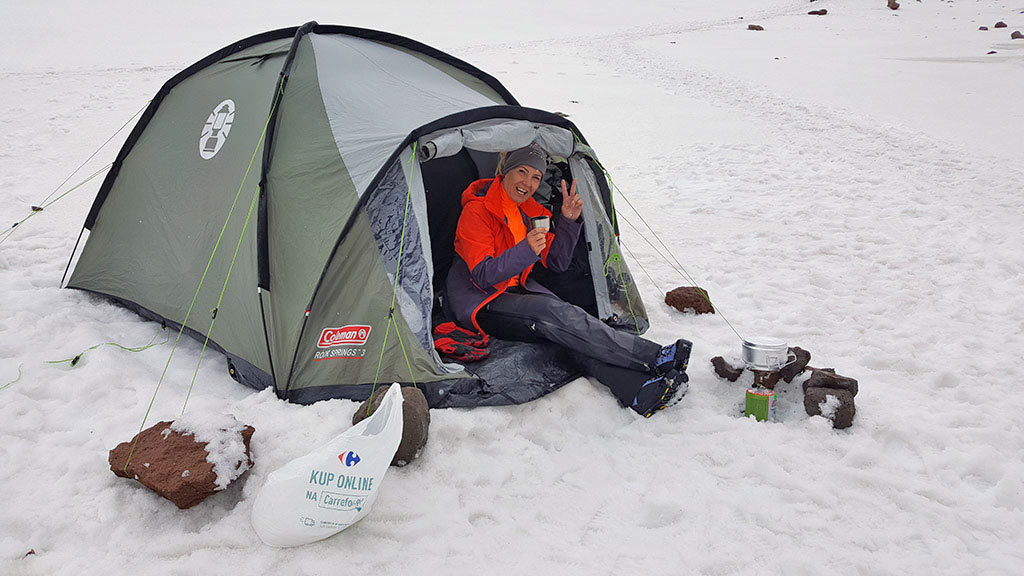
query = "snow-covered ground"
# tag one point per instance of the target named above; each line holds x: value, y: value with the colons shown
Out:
x: 851, y: 183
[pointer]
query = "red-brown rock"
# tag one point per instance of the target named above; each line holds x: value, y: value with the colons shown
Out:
x: 1017, y: 35
x: 754, y: 27
x: 893, y: 5
x: 690, y: 298
x: 1000, y: 25
x: 415, y: 422
x: 172, y: 464
x: 821, y: 12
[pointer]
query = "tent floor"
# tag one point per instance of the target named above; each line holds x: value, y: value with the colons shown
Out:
x: 513, y: 373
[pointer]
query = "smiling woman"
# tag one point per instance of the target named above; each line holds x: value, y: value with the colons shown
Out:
x: 498, y: 242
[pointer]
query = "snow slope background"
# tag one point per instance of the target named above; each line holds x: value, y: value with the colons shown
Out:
x: 851, y: 183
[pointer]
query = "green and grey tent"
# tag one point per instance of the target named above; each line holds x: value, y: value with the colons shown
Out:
x: 314, y: 174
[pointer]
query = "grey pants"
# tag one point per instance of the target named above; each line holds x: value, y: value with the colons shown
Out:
x: 619, y: 360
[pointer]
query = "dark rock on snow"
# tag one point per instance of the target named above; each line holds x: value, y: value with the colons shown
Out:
x: 692, y: 298
x: 1016, y: 35
x: 415, y: 422
x: 725, y: 370
x: 827, y: 378
x: 754, y: 27
x: 893, y: 5
x: 841, y: 415
x: 802, y: 358
x: 990, y: 52
x: 982, y: 27
x: 171, y: 464
x: 821, y: 12
x: 1000, y: 24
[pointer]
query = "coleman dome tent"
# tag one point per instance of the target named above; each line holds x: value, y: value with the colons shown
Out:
x: 322, y: 168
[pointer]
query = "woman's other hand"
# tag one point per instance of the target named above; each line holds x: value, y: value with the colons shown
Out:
x: 535, y: 238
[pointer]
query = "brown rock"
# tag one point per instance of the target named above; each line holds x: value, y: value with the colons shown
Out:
x: 725, y: 370
x: 893, y: 5
x: 990, y: 52
x: 415, y: 422
x: 790, y: 371
x: 982, y: 27
x: 690, y: 298
x: 754, y: 27
x: 842, y: 416
x: 1016, y: 35
x: 827, y: 378
x: 1000, y: 24
x: 172, y: 464
x: 821, y: 12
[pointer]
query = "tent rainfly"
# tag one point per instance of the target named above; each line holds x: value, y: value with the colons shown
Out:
x: 334, y: 158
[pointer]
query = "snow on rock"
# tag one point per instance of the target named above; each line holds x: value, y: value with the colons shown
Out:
x: 829, y: 407
x: 835, y: 405
x: 227, y: 446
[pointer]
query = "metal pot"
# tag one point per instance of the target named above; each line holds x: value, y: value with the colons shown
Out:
x: 766, y: 354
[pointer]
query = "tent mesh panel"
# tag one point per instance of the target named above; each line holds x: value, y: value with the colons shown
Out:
x: 386, y: 211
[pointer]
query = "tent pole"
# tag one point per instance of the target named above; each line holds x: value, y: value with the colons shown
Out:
x: 72, y: 257
x: 266, y: 338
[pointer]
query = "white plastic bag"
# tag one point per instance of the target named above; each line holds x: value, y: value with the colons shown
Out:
x: 332, y: 487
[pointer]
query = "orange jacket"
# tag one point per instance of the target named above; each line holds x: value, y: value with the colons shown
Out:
x: 483, y: 233
x: 489, y: 256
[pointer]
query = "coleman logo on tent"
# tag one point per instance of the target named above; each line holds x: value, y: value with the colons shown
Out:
x: 354, y: 335
x: 216, y: 129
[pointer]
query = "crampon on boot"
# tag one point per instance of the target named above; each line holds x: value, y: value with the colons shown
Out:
x: 660, y: 392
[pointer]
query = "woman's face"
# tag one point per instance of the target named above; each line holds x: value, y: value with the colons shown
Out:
x: 521, y: 182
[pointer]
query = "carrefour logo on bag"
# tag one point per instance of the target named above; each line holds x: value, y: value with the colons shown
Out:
x: 353, y: 335
x: 349, y: 458
x: 216, y: 130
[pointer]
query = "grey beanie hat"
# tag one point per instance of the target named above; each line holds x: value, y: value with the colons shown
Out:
x: 532, y: 156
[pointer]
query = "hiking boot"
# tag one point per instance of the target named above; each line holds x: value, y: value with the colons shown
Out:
x: 673, y: 357
x: 660, y: 392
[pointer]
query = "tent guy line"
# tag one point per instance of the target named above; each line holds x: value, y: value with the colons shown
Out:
x: 216, y: 246
x: 677, y: 266
x: 394, y: 293
x: 46, y: 203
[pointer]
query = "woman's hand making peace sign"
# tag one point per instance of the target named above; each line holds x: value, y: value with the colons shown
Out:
x: 572, y: 204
